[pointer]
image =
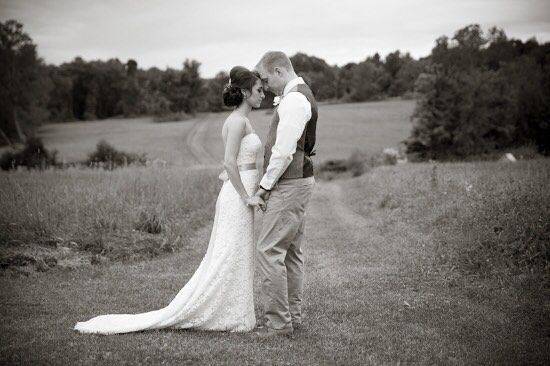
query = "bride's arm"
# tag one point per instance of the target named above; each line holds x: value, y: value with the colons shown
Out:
x: 259, y: 167
x: 235, y: 132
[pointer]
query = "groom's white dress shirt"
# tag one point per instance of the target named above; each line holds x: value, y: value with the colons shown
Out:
x: 294, y: 112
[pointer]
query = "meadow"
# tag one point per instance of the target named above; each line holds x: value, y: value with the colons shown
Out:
x: 343, y: 128
x: 66, y: 218
x: 424, y: 262
x: 75, y: 140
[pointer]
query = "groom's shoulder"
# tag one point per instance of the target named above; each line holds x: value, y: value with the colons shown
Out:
x: 294, y: 99
x: 306, y: 91
x: 303, y: 87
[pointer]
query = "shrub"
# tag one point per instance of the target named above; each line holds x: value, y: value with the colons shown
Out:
x: 357, y: 164
x: 149, y: 223
x: 108, y: 157
x: 354, y: 166
x: 33, y: 156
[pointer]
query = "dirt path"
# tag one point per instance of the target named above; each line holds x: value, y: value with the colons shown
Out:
x: 195, y: 139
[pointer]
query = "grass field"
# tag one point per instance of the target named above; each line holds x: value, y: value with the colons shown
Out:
x: 342, y: 129
x: 396, y: 259
x: 166, y: 141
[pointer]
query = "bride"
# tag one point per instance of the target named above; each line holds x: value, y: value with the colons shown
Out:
x: 219, y: 295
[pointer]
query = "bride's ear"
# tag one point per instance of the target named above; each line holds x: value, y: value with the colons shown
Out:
x: 245, y: 93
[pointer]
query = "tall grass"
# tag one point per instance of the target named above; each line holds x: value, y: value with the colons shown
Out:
x: 65, y: 214
x: 485, y: 218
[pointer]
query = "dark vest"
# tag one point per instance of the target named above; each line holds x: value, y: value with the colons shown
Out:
x: 301, y: 165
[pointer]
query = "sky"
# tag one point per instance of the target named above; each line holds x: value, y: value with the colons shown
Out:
x: 222, y: 34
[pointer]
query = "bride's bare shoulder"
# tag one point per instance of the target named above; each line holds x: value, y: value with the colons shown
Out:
x: 235, y: 119
x: 234, y: 122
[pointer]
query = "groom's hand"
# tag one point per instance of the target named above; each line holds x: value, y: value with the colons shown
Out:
x: 255, y: 201
x: 263, y: 193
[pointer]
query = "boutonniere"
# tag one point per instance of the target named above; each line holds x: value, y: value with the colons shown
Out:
x: 276, y: 101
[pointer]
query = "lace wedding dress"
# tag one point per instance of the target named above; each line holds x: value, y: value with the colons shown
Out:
x: 219, y: 295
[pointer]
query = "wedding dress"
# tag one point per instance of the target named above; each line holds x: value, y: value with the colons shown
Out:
x: 219, y: 295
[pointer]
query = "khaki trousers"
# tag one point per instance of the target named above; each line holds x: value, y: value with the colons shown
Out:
x: 280, y: 257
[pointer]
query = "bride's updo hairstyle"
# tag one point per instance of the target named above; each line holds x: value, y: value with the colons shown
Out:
x: 239, y: 78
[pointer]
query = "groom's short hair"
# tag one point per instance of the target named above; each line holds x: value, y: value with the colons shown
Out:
x: 272, y: 59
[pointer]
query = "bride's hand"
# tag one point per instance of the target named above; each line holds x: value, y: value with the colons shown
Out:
x: 254, y: 201
x: 223, y: 176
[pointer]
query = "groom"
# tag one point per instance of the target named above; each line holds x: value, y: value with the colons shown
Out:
x: 288, y: 184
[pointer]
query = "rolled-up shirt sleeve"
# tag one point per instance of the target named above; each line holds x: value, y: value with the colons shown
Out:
x: 294, y: 113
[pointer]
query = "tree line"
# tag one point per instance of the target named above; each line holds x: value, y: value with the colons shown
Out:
x: 475, y: 92
x: 34, y: 93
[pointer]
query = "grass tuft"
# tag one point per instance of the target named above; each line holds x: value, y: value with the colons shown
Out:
x: 149, y: 223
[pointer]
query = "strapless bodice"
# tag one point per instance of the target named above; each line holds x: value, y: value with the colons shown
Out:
x: 250, y: 145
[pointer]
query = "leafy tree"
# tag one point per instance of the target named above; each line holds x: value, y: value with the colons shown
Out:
x: 406, y: 76
x: 344, y: 80
x: 191, y: 87
x: 317, y: 73
x: 60, y: 100
x: 367, y: 81
x: 154, y: 101
x: 184, y: 89
x: 24, y: 85
x: 394, y: 62
x: 376, y: 59
x: 97, y: 87
x: 214, y: 90
x: 460, y: 114
x: 131, y: 96
x: 463, y: 52
x: 477, y: 98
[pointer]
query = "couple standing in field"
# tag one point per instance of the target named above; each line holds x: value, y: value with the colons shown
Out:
x: 219, y: 295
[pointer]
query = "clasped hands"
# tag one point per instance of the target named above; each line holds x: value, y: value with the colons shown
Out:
x: 258, y: 200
